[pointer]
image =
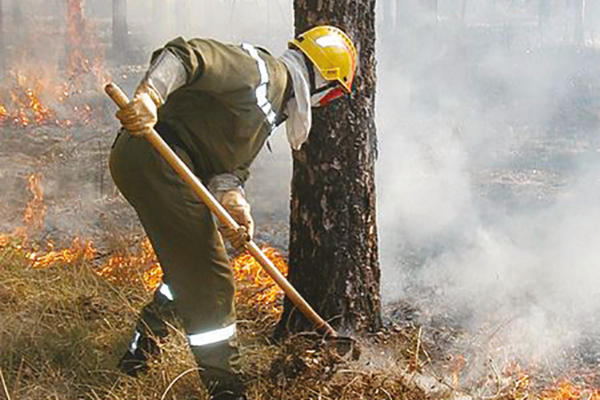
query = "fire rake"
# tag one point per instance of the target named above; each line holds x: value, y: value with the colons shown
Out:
x: 120, y: 98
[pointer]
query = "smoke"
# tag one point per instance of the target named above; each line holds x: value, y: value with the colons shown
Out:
x: 488, y: 181
x: 487, y: 177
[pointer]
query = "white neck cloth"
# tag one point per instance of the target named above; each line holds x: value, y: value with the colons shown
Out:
x: 297, y: 109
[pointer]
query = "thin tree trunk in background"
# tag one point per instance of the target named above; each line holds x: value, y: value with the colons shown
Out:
x: 419, y: 41
x: 333, y: 258
x: 544, y: 8
x: 119, y: 25
x: 579, y: 14
x: 182, y: 17
x: 388, y: 17
x: 159, y: 18
x: 2, y: 44
x: 463, y: 12
x: 75, y: 38
x: 17, y: 12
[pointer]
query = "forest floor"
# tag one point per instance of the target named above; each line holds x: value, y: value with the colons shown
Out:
x: 70, y: 303
x: 74, y: 273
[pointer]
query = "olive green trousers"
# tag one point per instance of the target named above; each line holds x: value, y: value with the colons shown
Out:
x: 198, y: 286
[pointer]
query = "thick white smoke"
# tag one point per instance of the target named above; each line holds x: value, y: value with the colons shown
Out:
x: 489, y: 200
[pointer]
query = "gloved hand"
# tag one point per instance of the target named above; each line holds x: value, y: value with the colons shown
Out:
x: 235, y: 203
x: 140, y: 115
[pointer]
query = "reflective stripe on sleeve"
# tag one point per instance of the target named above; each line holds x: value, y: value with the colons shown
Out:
x: 166, y: 291
x: 261, y: 90
x: 218, y: 335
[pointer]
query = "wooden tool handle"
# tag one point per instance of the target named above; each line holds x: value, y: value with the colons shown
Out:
x: 120, y: 98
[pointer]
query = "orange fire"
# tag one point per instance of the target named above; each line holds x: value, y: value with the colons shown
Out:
x: 566, y: 390
x: 140, y: 266
x: 34, y: 96
x: 35, y: 211
x: 79, y: 251
x: 250, y: 276
x: 33, y: 217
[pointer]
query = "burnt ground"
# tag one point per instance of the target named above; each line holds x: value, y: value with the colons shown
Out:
x: 81, y: 200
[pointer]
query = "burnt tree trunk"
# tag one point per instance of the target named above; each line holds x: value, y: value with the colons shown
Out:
x: 119, y: 25
x: 333, y: 256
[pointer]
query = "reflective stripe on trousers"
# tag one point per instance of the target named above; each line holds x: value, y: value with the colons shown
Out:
x: 134, y: 343
x: 261, y: 90
x: 199, y: 339
x: 165, y: 290
x: 211, y: 337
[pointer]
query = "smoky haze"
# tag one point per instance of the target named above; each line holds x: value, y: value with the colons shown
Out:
x: 489, y: 192
x: 488, y: 178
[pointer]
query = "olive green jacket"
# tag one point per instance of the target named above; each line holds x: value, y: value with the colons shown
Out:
x: 228, y: 107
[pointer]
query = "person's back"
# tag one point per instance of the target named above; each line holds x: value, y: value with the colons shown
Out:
x: 226, y: 112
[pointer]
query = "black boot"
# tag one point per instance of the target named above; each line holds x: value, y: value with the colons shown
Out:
x: 135, y: 359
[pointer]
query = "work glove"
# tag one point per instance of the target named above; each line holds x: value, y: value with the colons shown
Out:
x: 140, y: 115
x: 234, y: 202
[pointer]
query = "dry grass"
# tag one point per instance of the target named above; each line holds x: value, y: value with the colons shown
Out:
x: 63, y: 328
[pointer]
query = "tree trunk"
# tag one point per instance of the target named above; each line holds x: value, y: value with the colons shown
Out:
x: 75, y: 41
x: 419, y: 41
x: 388, y: 17
x: 182, y: 17
x: 159, y: 18
x: 17, y: 12
x: 2, y: 44
x: 119, y: 21
x: 333, y: 256
x: 579, y: 11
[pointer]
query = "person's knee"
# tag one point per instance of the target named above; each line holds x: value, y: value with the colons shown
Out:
x: 127, y: 161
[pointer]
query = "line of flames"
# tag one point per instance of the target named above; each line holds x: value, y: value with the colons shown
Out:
x: 139, y: 266
x: 22, y: 104
x: 142, y: 267
x: 518, y: 383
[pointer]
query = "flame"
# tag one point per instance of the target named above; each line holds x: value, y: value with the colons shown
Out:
x: 250, y: 275
x: 31, y: 99
x: 571, y: 391
x: 456, y: 367
x: 142, y: 266
x: 33, y: 216
x: 35, y: 211
x: 80, y: 250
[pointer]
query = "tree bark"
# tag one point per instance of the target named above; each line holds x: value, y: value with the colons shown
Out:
x: 119, y: 24
x: 333, y: 258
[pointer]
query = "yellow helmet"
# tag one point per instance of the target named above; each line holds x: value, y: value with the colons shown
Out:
x: 331, y: 51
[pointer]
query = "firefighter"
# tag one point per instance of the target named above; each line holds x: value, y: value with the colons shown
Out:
x: 215, y: 104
